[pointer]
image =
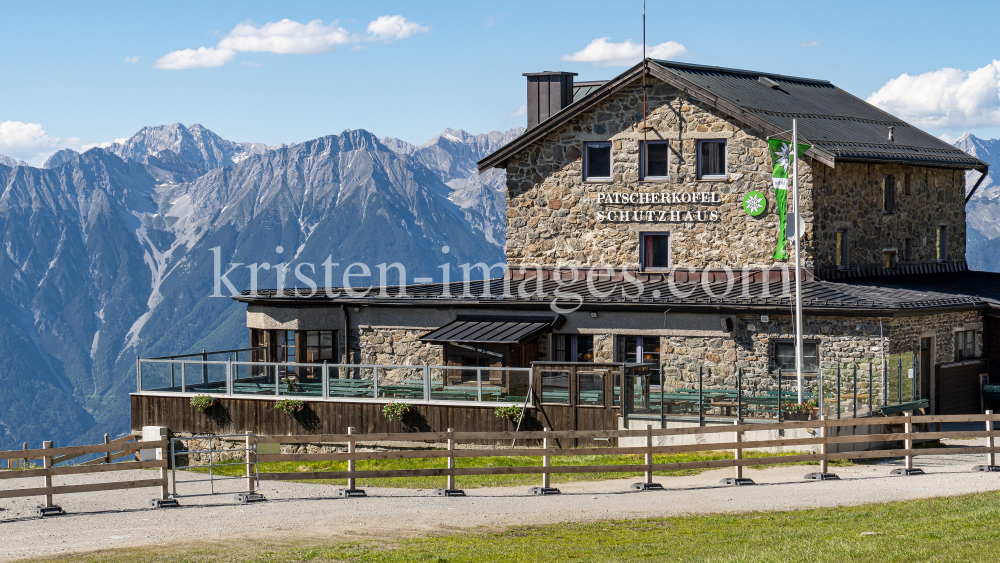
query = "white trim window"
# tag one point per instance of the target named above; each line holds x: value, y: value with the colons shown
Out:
x: 597, y: 161
x: 712, y: 161
x: 965, y: 345
x: 655, y: 160
x: 654, y: 251
x: 573, y: 347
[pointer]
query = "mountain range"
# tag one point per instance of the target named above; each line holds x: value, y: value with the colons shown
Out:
x: 982, y: 212
x: 108, y: 254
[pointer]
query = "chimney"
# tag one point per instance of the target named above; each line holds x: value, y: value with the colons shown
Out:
x: 548, y: 92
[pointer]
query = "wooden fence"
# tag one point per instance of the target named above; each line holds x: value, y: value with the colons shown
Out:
x: 268, y: 450
x: 49, y: 456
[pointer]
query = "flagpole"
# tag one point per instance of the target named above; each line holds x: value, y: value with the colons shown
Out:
x: 798, y: 268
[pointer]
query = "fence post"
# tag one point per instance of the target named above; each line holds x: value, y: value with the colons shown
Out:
x: 855, y: 400
x: 701, y: 398
x: 649, y: 454
x: 908, y: 444
x: 351, y: 490
x: 251, y: 462
x: 24, y: 462
x: 546, y: 488
x: 326, y: 380
x: 739, y: 395
x: 871, y: 390
x: 183, y: 377
x: 991, y: 465
x: 107, y: 453
x: 738, y: 455
x: 50, y: 509
x: 779, y: 396
x: 229, y: 376
x: 838, y: 389
x: 138, y: 375
x: 899, y: 374
x: 427, y: 382
x: 823, y: 474
x: 375, y: 383
x: 450, y: 491
x: 479, y: 384
x: 204, y: 367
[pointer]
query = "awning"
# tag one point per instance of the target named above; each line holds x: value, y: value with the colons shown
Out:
x: 513, y: 330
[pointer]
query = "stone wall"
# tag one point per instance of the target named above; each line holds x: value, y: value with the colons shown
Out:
x: 396, y: 346
x: 850, y: 197
x: 554, y: 217
x: 906, y: 333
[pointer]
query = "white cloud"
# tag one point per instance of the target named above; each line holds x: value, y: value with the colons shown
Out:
x: 24, y: 140
x: 203, y: 57
x: 946, y: 99
x: 519, y: 111
x: 950, y: 139
x: 394, y: 28
x: 810, y: 44
x: 286, y: 37
x: 132, y: 60
x: 601, y: 53
x: 86, y: 147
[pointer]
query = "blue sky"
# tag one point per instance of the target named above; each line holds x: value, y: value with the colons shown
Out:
x: 67, y: 73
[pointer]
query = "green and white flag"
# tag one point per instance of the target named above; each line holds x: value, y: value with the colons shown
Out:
x: 781, y: 159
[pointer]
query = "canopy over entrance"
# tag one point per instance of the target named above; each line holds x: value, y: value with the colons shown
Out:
x: 477, y: 330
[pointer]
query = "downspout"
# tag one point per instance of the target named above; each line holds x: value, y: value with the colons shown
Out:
x: 347, y: 339
x: 984, y: 172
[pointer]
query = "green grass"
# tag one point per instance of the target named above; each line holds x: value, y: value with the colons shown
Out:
x: 475, y: 481
x: 942, y: 529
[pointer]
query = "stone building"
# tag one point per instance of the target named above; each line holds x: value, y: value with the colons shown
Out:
x: 632, y: 236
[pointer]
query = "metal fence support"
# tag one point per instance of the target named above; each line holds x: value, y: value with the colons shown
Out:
x: 779, y: 395
x: 479, y: 384
x: 326, y: 380
x: 739, y: 395
x: 204, y: 367
x: 899, y: 374
x: 701, y: 397
x: 451, y: 490
x: 855, y: 399
x: 871, y: 391
x: 838, y: 390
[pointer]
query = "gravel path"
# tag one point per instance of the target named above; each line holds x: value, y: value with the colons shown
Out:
x: 123, y: 518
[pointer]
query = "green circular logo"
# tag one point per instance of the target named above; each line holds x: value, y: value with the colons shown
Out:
x: 754, y: 203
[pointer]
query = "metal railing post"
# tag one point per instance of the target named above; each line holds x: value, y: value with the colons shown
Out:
x: 779, y: 395
x: 326, y: 380
x: 838, y: 389
x: 701, y: 398
x: 277, y: 381
x: 990, y: 456
x: 909, y: 441
x: 138, y: 375
x: 649, y: 454
x: 739, y: 395
x: 899, y: 373
x: 479, y: 384
x: 204, y: 367
x: 375, y: 382
x: 427, y: 382
x: 229, y: 377
x: 822, y: 445
x: 251, y: 461
x: 821, y: 399
x: 871, y: 391
x: 183, y: 377
x: 885, y: 381
x: 855, y: 400
x: 171, y: 375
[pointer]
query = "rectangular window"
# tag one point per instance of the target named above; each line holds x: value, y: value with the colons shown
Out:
x: 908, y: 250
x: 320, y: 348
x: 591, y: 391
x: 889, y: 259
x: 655, y: 251
x: 644, y: 349
x: 711, y: 160
x: 286, y: 352
x: 555, y: 387
x: 573, y: 348
x: 656, y: 160
x: 888, y: 193
x: 942, y: 244
x: 906, y: 184
x: 784, y: 356
x: 965, y: 345
x: 842, y: 253
x: 597, y: 162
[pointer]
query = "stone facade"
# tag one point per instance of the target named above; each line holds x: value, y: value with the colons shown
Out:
x: 554, y: 217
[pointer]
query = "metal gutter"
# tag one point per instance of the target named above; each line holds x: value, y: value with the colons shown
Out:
x: 985, y: 171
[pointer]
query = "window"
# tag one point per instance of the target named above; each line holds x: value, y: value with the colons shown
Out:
x: 906, y: 184
x: 889, y: 259
x: 656, y: 160
x: 655, y: 250
x: 286, y: 351
x: 942, y: 244
x: 597, y: 162
x: 843, y: 255
x: 784, y: 356
x: 320, y: 347
x: 573, y: 348
x: 591, y: 391
x: 711, y: 160
x: 965, y: 345
x: 472, y: 375
x: 908, y: 250
x: 644, y: 349
x: 888, y: 193
x: 555, y: 387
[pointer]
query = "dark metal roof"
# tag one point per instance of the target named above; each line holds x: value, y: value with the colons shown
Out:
x: 882, y: 295
x: 498, y: 331
x: 583, y: 89
x: 838, y: 124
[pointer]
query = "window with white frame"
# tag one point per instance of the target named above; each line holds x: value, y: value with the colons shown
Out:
x: 597, y: 162
x: 784, y: 356
x: 712, y: 160
x: 656, y: 160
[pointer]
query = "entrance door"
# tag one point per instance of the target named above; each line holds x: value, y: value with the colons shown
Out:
x: 925, y: 371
